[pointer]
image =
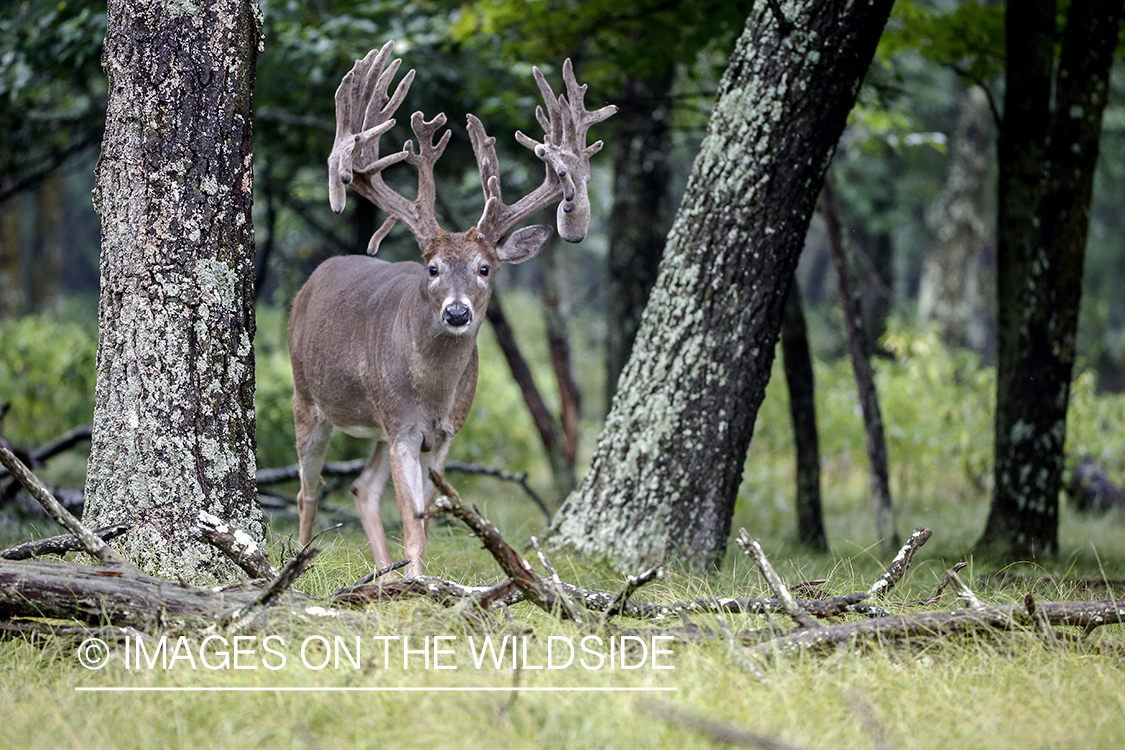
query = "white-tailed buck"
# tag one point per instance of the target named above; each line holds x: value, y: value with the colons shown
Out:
x: 388, y: 350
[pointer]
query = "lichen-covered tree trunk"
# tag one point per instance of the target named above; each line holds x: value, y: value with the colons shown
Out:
x: 173, y: 429
x: 1041, y: 263
x: 669, y: 460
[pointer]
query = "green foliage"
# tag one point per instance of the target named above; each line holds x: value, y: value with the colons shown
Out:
x: 937, y: 407
x: 47, y: 375
x: 613, y: 40
x: 52, y: 92
x: 968, y: 36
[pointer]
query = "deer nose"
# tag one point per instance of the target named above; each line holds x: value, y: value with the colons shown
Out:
x: 456, y: 314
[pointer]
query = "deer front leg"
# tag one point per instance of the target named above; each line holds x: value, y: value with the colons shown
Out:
x: 368, y: 490
x: 312, y: 444
x: 406, y: 471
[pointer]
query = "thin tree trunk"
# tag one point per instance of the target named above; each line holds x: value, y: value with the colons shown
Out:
x: 860, y: 350
x: 545, y: 425
x: 669, y: 461
x: 1037, y: 357
x: 558, y: 343
x: 802, y: 410
x: 638, y: 223
x: 11, y: 255
x: 173, y: 428
x: 47, y: 245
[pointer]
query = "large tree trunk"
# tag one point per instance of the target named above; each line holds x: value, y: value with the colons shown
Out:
x: 641, y: 202
x: 1042, y: 256
x: 669, y: 461
x: 173, y: 429
x: 955, y: 293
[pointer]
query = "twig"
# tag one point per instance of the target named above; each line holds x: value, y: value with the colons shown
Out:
x: 243, y: 616
x: 510, y: 561
x: 60, y: 545
x: 944, y: 582
x: 90, y: 543
x: 632, y: 583
x: 379, y: 573
x: 894, y: 572
x: 571, y: 610
x: 788, y: 603
x: 322, y: 532
x: 717, y: 730
x: 236, y: 544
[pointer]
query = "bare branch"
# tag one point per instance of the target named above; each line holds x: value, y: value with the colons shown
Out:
x: 236, y: 544
x: 788, y: 603
x: 90, y: 543
x: 894, y: 572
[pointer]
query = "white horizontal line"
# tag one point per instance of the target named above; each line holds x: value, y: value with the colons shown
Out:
x: 218, y: 689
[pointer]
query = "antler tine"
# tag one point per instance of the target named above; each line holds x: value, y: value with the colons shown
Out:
x: 363, y: 114
x: 582, y: 118
x: 564, y: 152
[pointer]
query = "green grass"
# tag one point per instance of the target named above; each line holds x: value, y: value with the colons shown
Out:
x: 997, y: 691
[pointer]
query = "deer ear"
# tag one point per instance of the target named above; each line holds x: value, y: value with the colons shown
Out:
x: 523, y: 244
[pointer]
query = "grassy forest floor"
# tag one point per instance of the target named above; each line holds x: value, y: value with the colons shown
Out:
x: 996, y: 690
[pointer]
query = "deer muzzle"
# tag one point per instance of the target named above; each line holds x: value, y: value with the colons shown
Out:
x: 456, y: 315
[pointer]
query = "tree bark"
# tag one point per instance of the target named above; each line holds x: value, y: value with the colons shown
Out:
x: 1041, y: 288
x: 669, y: 461
x: 641, y: 201
x: 955, y: 293
x: 173, y: 428
x: 860, y: 349
x: 802, y: 411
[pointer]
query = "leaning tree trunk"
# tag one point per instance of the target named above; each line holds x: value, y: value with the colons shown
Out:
x: 669, y: 461
x: 1041, y: 290
x: 173, y: 429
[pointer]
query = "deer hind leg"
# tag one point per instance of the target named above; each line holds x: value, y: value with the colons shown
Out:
x: 368, y: 490
x: 406, y: 471
x: 313, y: 433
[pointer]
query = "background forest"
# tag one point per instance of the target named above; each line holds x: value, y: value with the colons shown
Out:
x: 915, y: 181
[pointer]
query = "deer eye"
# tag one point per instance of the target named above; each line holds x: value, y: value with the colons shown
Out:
x: 433, y: 270
x: 485, y: 270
